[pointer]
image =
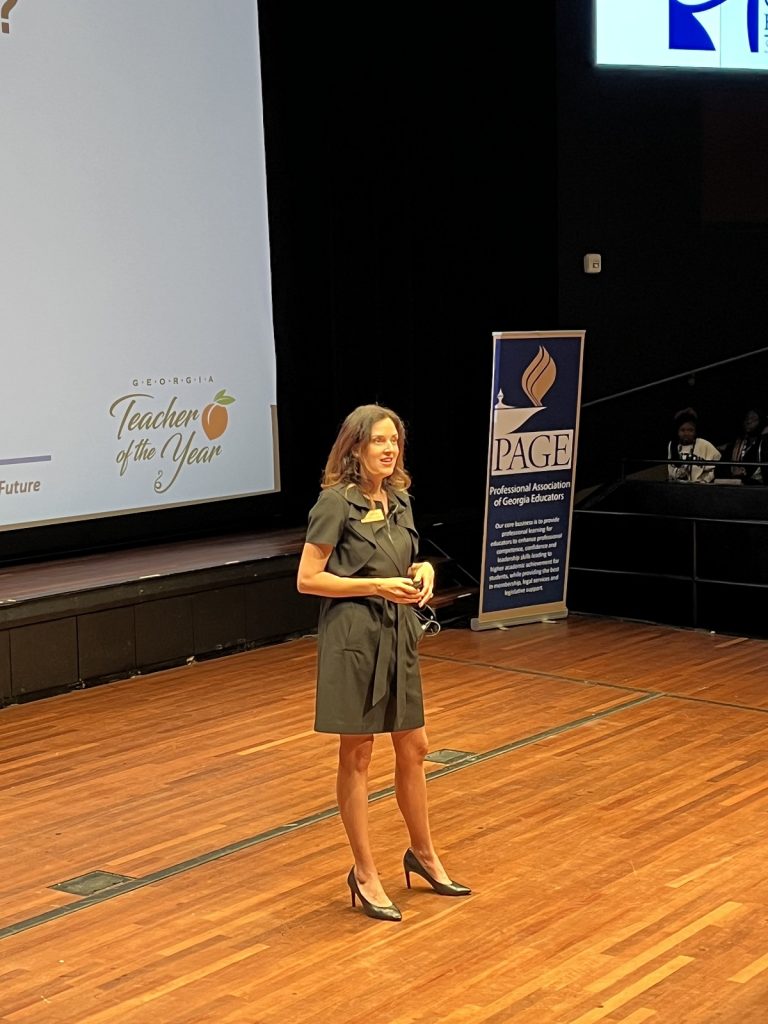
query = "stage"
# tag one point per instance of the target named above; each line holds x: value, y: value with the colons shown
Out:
x: 599, y: 784
x: 73, y: 622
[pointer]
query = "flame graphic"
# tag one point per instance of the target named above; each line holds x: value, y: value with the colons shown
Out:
x: 539, y: 376
x: 5, y: 14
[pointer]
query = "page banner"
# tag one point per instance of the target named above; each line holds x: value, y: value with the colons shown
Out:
x: 534, y: 422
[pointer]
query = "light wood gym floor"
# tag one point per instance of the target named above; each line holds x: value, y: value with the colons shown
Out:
x: 612, y: 821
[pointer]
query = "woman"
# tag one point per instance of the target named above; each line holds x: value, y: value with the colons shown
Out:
x: 359, y: 556
x: 696, y: 454
x: 751, y: 446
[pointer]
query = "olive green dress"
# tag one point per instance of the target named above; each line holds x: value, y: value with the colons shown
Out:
x: 368, y: 678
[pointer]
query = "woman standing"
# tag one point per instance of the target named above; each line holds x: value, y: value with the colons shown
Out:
x: 359, y: 556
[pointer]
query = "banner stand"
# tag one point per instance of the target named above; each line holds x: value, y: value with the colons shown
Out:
x: 530, y: 477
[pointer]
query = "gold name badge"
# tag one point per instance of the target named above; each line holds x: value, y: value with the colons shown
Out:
x: 376, y: 515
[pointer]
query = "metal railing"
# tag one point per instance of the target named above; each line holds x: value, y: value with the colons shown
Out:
x: 694, y: 578
x: 674, y: 376
x: 709, y: 464
x: 687, y: 559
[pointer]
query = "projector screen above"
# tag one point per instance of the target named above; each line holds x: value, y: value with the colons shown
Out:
x: 720, y: 34
x: 138, y: 346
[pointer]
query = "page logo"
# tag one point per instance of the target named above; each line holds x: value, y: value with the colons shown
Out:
x: 514, y: 451
x: 5, y: 15
x: 536, y: 380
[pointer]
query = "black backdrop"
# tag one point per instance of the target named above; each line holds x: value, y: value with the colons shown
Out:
x: 413, y: 199
x: 435, y: 175
x: 665, y: 174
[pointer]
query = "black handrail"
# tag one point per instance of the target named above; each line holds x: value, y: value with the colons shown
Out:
x: 664, y: 515
x: 696, y: 462
x: 676, y: 376
x: 679, y: 461
x: 693, y: 577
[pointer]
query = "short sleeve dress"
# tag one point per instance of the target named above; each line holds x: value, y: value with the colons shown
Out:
x: 368, y: 678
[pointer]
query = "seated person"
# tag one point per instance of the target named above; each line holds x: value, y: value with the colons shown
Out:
x: 751, y: 445
x: 696, y: 455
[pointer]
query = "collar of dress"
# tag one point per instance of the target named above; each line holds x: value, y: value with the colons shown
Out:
x: 357, y: 499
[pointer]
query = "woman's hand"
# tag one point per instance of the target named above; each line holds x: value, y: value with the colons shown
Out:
x: 398, y: 589
x: 423, y: 576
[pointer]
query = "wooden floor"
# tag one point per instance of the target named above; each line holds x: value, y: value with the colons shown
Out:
x: 614, y: 827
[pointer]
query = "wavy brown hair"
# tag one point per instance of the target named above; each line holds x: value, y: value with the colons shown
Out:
x: 344, y: 466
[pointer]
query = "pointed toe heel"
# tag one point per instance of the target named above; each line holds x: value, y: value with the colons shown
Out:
x: 390, y: 913
x: 411, y: 864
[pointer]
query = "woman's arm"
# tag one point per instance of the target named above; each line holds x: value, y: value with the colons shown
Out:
x: 672, y: 471
x: 313, y: 578
x: 708, y: 452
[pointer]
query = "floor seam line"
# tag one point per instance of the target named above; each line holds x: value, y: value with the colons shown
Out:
x: 59, y: 913
x: 595, y: 682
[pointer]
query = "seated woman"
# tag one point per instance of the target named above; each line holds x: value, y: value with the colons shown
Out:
x: 751, y: 445
x: 696, y: 455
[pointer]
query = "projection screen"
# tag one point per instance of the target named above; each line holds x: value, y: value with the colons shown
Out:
x: 135, y: 301
x: 723, y: 35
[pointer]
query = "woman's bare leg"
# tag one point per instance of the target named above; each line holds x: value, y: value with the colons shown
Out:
x: 411, y: 747
x: 352, y: 795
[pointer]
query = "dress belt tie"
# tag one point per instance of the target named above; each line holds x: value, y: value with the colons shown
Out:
x: 393, y: 616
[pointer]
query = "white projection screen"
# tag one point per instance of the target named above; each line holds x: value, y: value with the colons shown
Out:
x: 138, y: 362
x: 716, y: 34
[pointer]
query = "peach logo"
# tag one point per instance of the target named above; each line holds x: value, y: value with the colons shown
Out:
x: 170, y: 436
x: 215, y: 419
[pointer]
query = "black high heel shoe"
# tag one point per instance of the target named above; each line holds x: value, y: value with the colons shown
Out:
x: 390, y: 913
x: 411, y: 863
